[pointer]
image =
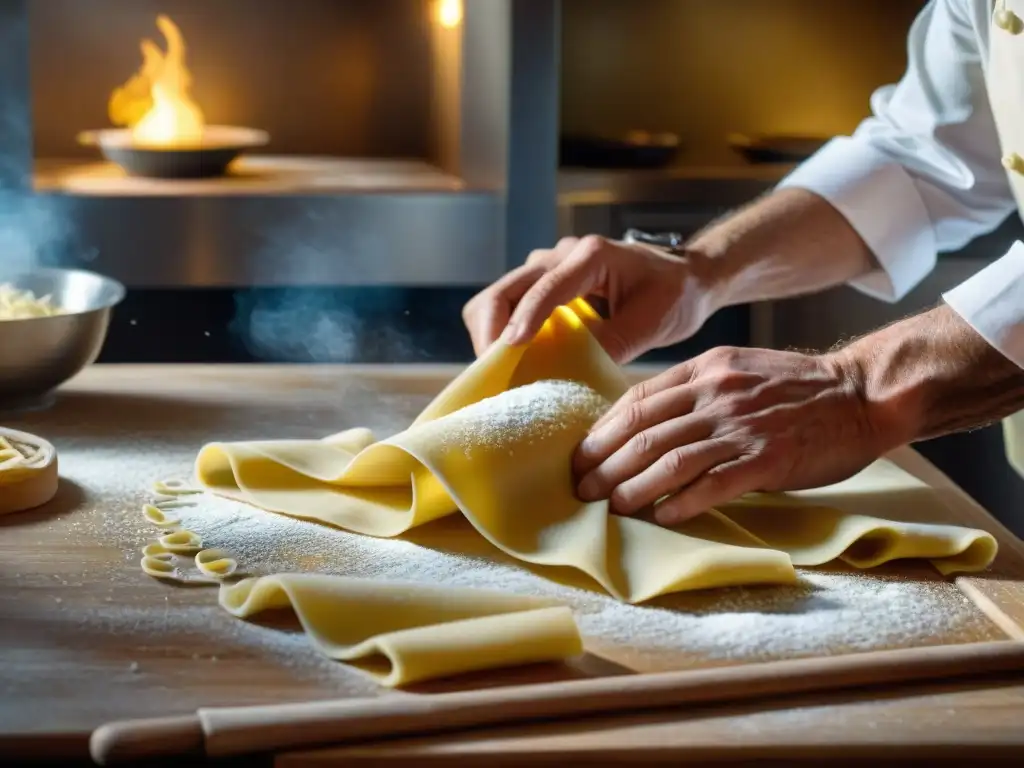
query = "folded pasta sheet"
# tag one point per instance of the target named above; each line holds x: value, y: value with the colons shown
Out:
x: 407, y: 633
x: 496, y: 447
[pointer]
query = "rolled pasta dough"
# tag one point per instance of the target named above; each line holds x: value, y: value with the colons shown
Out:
x: 407, y: 633
x: 158, y: 517
x: 475, y: 450
x: 28, y: 471
x: 181, y: 541
x: 216, y: 563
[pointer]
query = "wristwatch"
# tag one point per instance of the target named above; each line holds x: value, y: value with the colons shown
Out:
x: 672, y: 242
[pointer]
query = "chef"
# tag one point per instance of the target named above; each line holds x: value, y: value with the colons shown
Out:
x: 939, y: 162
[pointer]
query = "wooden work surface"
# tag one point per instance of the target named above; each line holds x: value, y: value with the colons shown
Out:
x: 88, y: 639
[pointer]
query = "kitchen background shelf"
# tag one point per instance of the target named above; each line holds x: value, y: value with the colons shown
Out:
x: 254, y: 175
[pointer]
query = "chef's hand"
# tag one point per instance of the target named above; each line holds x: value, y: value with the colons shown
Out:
x: 654, y: 299
x: 728, y: 422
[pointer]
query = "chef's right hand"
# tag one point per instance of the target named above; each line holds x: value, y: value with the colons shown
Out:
x: 654, y: 298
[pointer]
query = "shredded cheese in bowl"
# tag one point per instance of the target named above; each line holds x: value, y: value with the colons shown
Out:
x: 16, y: 304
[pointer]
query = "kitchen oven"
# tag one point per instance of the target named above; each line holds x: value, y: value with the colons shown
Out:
x: 231, y: 160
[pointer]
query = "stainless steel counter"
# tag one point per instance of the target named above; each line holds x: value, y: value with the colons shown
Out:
x: 357, y: 223
x: 389, y: 238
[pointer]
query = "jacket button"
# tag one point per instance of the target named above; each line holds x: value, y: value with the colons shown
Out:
x: 1014, y: 162
x: 1008, y: 21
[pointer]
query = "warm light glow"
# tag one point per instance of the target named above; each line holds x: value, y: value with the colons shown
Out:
x: 156, y: 103
x: 449, y: 13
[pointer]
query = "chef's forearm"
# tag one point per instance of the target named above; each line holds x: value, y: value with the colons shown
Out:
x: 929, y: 375
x: 789, y: 243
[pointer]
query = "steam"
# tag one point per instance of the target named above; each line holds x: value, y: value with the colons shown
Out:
x: 316, y: 325
x: 35, y: 230
x: 319, y: 323
x: 295, y: 327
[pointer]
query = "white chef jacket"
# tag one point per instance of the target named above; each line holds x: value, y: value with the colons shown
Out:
x: 924, y: 173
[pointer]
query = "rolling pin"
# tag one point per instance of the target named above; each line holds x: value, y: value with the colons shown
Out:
x: 223, y: 731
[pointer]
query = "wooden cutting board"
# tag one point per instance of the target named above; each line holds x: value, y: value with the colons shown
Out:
x: 89, y: 639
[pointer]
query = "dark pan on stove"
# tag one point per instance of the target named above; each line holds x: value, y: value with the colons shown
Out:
x: 220, y: 146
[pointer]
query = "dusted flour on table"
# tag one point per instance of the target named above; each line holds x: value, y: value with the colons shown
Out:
x: 831, y: 609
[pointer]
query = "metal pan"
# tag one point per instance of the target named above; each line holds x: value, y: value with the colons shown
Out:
x: 220, y: 146
x: 776, y: 148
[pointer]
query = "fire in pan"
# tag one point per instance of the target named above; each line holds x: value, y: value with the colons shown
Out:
x: 163, y: 133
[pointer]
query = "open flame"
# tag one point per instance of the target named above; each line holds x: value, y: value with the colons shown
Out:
x: 156, y: 103
x: 449, y: 13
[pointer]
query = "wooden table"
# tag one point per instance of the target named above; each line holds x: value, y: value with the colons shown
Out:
x: 86, y: 640
x: 962, y: 725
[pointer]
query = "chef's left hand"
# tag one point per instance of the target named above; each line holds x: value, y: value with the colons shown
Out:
x: 728, y: 422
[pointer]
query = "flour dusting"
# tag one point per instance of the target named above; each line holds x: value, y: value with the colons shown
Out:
x: 828, y: 611
x: 525, y: 415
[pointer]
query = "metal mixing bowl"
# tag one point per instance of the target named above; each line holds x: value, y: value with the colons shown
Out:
x: 39, y: 354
